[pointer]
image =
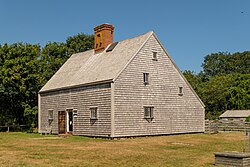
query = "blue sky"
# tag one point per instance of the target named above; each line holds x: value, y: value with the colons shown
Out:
x: 189, y: 29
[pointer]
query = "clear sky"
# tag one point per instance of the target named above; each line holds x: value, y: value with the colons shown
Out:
x: 189, y: 29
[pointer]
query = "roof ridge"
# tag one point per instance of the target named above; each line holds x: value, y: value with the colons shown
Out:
x: 149, y: 32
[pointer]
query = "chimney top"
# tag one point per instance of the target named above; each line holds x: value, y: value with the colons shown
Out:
x: 103, y: 36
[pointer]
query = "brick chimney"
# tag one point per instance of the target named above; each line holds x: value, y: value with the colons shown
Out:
x: 103, y: 36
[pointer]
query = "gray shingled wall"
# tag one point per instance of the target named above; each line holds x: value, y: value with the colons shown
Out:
x: 81, y: 99
x: 172, y: 113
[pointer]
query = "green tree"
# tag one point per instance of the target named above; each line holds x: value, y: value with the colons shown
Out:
x: 19, y: 80
x: 223, y: 63
x: 53, y: 55
x: 25, y: 68
x: 79, y: 43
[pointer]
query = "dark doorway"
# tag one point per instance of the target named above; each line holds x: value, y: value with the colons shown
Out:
x: 70, y: 121
x: 61, y: 122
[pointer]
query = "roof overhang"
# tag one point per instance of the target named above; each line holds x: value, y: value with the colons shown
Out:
x: 77, y: 86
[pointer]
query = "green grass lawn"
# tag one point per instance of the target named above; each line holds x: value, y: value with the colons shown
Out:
x: 22, y: 149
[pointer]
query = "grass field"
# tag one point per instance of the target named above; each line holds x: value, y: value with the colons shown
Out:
x: 22, y: 149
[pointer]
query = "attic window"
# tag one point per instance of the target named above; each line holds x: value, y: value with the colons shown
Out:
x: 154, y: 56
x: 180, y: 91
x: 146, y: 78
x: 111, y: 47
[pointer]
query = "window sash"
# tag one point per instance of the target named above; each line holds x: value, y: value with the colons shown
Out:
x: 146, y: 78
x: 154, y: 55
x: 148, y: 112
x: 50, y: 114
x: 93, y: 113
x: 180, y: 90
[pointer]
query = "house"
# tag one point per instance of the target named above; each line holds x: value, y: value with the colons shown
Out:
x: 239, y: 115
x: 120, y: 89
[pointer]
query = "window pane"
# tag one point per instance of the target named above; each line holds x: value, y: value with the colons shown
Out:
x: 148, y: 112
x: 50, y: 114
x: 145, y: 77
x: 154, y: 55
x: 93, y: 113
x: 151, y: 112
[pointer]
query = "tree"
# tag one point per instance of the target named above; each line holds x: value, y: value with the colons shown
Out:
x: 53, y: 55
x: 79, y: 43
x: 19, y: 81
x: 238, y: 95
x: 25, y: 68
x: 194, y: 80
x: 223, y: 63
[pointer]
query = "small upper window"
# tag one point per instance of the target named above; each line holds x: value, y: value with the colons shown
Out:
x: 50, y: 114
x: 93, y: 113
x: 154, y: 56
x: 148, y: 112
x: 146, y: 78
x: 180, y: 91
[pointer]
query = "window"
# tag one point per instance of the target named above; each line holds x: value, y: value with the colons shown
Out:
x: 146, y: 78
x: 180, y: 91
x: 93, y: 113
x: 154, y: 56
x: 148, y: 112
x: 50, y: 114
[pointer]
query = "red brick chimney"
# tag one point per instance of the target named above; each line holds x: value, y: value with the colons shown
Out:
x: 103, y: 36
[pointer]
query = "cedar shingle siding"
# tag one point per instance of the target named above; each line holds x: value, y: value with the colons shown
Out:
x: 80, y: 99
x: 172, y: 113
x: 113, y: 82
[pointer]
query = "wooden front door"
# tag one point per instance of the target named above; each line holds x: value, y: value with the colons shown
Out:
x: 62, y: 122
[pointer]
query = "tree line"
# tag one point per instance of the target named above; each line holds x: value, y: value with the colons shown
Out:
x: 223, y: 83
x: 25, y: 68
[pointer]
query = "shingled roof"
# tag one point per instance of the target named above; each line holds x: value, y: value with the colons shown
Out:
x: 235, y: 114
x: 87, y: 67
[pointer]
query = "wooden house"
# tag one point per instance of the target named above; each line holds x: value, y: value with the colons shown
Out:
x: 120, y: 89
